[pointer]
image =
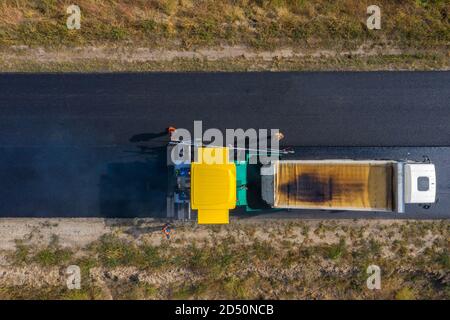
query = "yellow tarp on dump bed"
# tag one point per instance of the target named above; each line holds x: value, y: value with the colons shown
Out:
x: 334, y: 185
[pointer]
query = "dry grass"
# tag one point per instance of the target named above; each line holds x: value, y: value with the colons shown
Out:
x: 259, y: 260
x: 418, y: 31
x: 256, y: 23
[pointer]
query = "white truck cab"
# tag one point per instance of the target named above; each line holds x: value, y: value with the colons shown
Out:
x: 420, y: 183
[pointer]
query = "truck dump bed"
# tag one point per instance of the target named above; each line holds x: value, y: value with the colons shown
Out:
x: 331, y: 184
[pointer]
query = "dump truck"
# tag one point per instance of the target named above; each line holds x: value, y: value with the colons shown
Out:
x: 212, y: 189
x: 369, y: 185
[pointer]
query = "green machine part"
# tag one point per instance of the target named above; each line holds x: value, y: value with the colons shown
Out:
x: 241, y: 183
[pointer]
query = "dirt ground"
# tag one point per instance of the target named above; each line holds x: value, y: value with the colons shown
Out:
x: 133, y: 54
x: 110, y: 58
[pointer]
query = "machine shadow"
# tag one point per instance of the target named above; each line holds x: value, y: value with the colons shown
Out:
x: 137, y: 188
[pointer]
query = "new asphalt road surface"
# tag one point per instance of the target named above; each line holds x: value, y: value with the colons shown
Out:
x: 65, y: 146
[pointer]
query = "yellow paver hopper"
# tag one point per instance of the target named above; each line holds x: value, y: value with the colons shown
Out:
x: 213, y: 185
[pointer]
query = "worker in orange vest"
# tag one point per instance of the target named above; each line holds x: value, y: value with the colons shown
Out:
x: 166, y: 230
x: 170, y: 131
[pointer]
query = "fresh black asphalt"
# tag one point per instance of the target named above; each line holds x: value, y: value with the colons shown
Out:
x: 64, y: 138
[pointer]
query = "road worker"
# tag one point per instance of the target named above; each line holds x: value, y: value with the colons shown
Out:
x: 170, y: 131
x: 166, y: 230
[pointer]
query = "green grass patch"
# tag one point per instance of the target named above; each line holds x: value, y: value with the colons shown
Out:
x: 21, y: 255
x: 52, y: 256
x: 405, y: 294
x: 336, y: 251
x: 113, y: 251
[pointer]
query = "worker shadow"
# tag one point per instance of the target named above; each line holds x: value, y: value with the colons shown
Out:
x: 137, y: 187
x: 137, y: 227
x: 147, y: 136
